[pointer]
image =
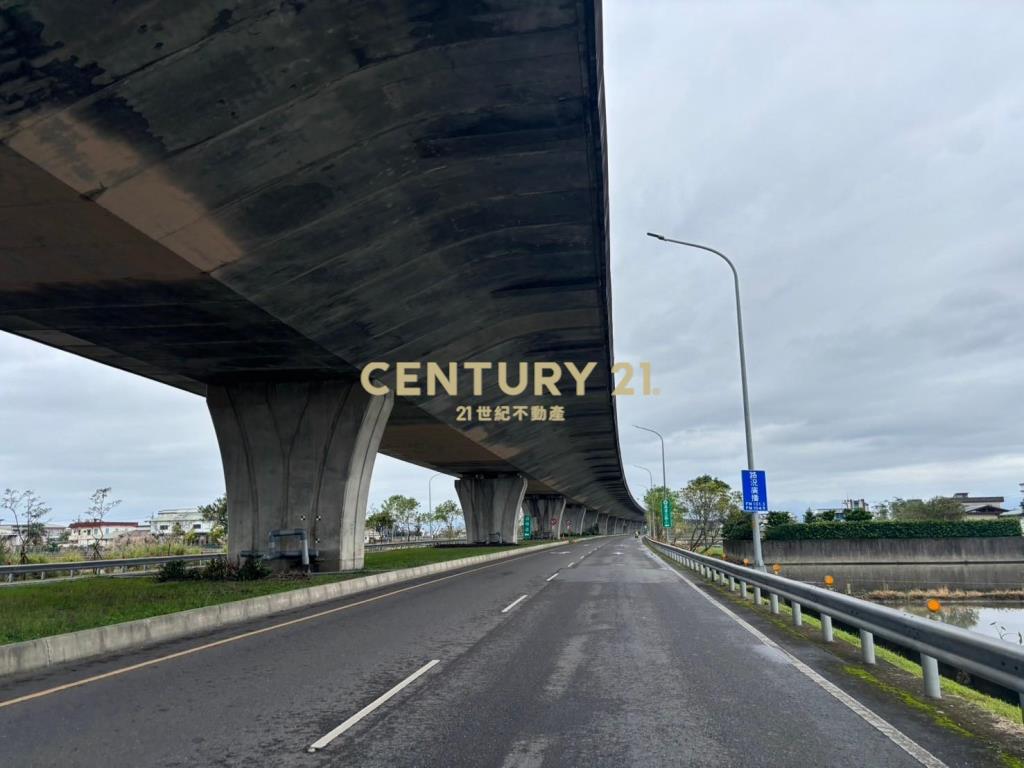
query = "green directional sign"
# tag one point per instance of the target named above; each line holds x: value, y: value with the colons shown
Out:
x: 666, y: 512
x: 527, y: 527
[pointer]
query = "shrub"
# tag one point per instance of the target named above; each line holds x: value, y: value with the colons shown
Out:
x: 220, y: 569
x: 176, y: 570
x: 252, y: 569
x: 737, y: 527
x: 918, y: 529
x: 773, y: 519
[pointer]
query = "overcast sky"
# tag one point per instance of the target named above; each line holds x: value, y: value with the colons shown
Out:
x: 861, y: 162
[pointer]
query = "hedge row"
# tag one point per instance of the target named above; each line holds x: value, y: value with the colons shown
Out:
x: 894, y: 529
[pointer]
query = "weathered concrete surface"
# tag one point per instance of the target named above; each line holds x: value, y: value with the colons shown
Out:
x: 603, y: 525
x: 572, y: 518
x: 589, y: 519
x: 491, y: 507
x: 865, y: 564
x: 204, y: 193
x: 299, y: 455
x: 547, y: 513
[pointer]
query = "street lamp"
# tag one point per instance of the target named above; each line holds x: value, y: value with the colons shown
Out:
x: 755, y: 525
x: 645, y: 469
x: 664, y: 481
x: 651, y: 486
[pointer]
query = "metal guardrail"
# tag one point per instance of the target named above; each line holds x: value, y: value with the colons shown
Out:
x: 385, y: 545
x: 8, y: 572
x: 988, y: 658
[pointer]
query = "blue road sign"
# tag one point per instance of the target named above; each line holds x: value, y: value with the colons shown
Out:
x: 755, y: 491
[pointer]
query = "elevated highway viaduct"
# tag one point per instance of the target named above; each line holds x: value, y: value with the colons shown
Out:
x: 251, y: 201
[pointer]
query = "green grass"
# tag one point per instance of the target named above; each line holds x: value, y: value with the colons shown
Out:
x: 412, y: 557
x: 49, y: 608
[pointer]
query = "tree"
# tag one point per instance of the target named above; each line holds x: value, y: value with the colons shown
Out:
x: 404, y: 510
x: 809, y: 516
x: 937, y: 508
x: 652, y: 500
x: 29, y: 513
x: 447, y: 513
x: 737, y: 526
x: 825, y: 516
x: 100, y: 505
x: 216, y: 513
x: 858, y: 515
x: 705, y: 504
x: 381, y: 521
x: 773, y: 519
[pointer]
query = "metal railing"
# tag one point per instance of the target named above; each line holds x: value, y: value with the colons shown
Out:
x: 990, y: 659
x: 8, y: 572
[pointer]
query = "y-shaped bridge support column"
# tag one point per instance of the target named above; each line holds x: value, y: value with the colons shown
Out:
x: 547, y: 513
x: 490, y: 505
x: 572, y: 518
x: 589, y: 519
x: 298, y: 455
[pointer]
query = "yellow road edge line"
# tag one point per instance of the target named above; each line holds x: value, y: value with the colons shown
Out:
x: 242, y: 636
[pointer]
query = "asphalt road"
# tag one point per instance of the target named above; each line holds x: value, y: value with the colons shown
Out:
x: 614, y: 661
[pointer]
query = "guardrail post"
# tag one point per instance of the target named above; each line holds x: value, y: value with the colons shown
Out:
x: 798, y: 619
x: 773, y: 602
x: 757, y: 596
x: 826, y: 628
x: 867, y: 646
x: 743, y: 590
x: 732, y: 584
x: 930, y: 667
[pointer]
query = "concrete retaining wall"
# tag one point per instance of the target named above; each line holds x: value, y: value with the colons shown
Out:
x: 18, y: 658
x: 859, y: 565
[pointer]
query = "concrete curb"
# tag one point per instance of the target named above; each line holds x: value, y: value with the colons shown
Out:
x: 31, y: 655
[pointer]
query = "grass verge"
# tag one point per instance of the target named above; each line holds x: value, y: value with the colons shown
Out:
x: 30, y: 611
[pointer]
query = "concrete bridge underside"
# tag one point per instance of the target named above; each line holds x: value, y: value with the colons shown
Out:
x: 252, y: 200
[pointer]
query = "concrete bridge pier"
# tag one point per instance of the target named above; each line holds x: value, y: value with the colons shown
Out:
x: 547, y: 513
x: 490, y: 505
x: 573, y: 518
x: 298, y: 455
x: 602, y: 522
x: 589, y: 519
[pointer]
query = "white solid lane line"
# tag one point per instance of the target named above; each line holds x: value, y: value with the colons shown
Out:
x: 549, y: 578
x: 896, y: 736
x: 513, y: 604
x: 570, y: 565
x: 332, y: 735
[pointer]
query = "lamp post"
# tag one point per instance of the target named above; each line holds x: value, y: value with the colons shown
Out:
x: 651, y: 486
x: 664, y: 480
x: 754, y: 521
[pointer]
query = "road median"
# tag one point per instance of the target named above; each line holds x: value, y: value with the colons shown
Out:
x: 40, y: 653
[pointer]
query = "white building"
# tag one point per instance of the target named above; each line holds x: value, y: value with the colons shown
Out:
x: 168, y: 521
x: 87, y: 533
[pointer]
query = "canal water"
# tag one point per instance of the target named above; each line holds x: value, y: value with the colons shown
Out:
x: 997, y: 618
